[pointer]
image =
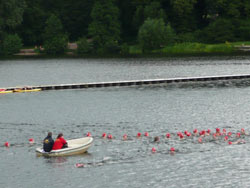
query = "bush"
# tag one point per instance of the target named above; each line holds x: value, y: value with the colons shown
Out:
x: 55, y: 39
x: 11, y: 44
x: 153, y: 34
x: 112, y: 46
x: 125, y: 49
x: 186, y: 37
x: 83, y: 46
x: 56, y: 45
x: 219, y: 31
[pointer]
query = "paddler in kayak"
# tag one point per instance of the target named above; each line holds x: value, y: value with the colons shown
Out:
x: 48, y: 142
x: 60, y: 142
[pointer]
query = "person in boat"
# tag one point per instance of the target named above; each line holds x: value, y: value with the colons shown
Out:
x: 60, y: 142
x: 48, y: 142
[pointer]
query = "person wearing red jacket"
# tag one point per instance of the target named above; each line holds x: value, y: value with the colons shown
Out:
x: 60, y: 142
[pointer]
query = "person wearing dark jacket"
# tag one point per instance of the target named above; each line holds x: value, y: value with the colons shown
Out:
x: 48, y: 143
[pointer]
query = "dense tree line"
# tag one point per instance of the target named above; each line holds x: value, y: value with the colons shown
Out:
x: 110, y: 25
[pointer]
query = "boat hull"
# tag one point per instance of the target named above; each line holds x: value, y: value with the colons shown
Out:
x: 26, y: 90
x: 6, y: 92
x: 75, y: 147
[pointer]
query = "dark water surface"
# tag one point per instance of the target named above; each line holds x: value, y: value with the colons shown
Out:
x: 155, y: 109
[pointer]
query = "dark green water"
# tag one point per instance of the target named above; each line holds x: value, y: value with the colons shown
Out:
x: 157, y: 110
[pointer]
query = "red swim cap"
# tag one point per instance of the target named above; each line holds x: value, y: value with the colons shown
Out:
x: 6, y: 144
x: 153, y: 150
x: 172, y: 149
x: 104, y: 135
x: 168, y: 135
x: 110, y: 136
x: 88, y: 134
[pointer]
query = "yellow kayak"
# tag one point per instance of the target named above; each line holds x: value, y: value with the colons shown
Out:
x: 8, y: 91
x: 27, y: 90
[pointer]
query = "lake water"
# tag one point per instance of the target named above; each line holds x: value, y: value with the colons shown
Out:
x: 125, y: 110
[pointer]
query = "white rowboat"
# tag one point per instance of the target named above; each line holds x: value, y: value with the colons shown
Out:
x: 75, y: 146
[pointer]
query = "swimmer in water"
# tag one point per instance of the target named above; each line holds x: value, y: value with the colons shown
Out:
x: 156, y: 139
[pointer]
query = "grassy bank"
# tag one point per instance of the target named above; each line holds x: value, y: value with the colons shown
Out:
x: 177, y: 50
x: 193, y: 49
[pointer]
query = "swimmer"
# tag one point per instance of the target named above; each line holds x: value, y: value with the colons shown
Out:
x: 157, y: 139
x: 237, y: 142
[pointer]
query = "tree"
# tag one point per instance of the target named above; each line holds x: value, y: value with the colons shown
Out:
x: 154, y: 11
x: 75, y: 16
x: 83, y: 46
x: 183, y: 18
x: 11, y: 44
x: 154, y: 33
x: 33, y: 24
x: 105, y: 26
x: 11, y: 14
x: 54, y: 37
x: 219, y: 31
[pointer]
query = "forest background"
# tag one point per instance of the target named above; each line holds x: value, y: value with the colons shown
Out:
x: 124, y: 26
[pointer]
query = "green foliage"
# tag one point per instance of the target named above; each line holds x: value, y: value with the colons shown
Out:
x: 242, y: 30
x: 154, y: 11
x: 219, y: 31
x: 153, y: 34
x: 57, y: 45
x: 183, y: 15
x: 109, y: 22
x: 198, y: 48
x: 11, y: 13
x: 186, y: 37
x: 83, y: 46
x: 105, y: 27
x: 55, y: 40
x: 75, y: 16
x: 53, y: 27
x: 125, y: 49
x: 33, y: 23
x: 11, y: 44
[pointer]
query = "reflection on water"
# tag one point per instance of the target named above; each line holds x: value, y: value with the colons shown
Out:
x: 56, y: 160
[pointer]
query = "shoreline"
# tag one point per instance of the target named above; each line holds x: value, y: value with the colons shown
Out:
x: 139, y: 56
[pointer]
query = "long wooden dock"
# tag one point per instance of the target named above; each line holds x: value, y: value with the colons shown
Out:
x: 137, y: 82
